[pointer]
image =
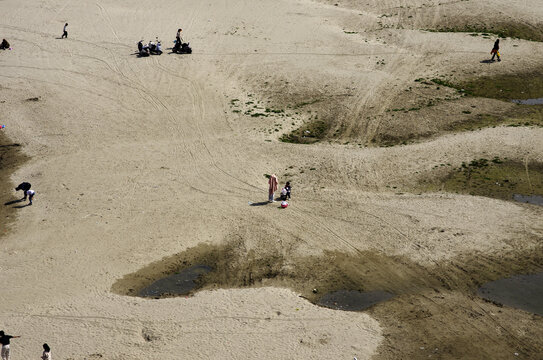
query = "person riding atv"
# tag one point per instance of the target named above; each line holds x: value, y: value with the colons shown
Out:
x: 181, y: 48
x: 143, y: 50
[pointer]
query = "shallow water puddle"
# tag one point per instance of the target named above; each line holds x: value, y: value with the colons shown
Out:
x: 536, y: 101
x: 530, y: 199
x: 522, y: 292
x: 353, y: 300
x: 177, y: 284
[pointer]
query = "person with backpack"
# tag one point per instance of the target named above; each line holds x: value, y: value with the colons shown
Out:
x: 496, y: 50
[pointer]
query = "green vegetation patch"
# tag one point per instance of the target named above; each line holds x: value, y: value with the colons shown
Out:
x: 499, y: 29
x: 495, y: 178
x: 506, y: 87
x: 308, y: 133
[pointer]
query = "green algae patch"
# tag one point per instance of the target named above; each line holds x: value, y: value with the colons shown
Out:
x: 521, y: 115
x: 495, y: 178
x: 503, y: 30
x: 308, y: 133
x: 505, y: 87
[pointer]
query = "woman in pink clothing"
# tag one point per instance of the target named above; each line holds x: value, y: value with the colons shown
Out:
x: 272, y: 183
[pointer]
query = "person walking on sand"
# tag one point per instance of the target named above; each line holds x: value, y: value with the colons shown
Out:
x: 30, y: 194
x: 272, y: 187
x: 25, y: 187
x: 496, y: 50
x: 65, y: 32
x: 46, y: 352
x: 4, y: 340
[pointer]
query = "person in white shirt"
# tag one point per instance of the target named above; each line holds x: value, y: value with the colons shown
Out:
x: 30, y: 193
x: 65, y: 33
x: 46, y: 352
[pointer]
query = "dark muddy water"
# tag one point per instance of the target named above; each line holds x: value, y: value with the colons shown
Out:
x: 177, y: 284
x: 537, y: 101
x: 522, y: 292
x: 530, y: 199
x: 352, y: 300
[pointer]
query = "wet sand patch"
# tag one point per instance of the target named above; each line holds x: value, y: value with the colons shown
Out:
x: 352, y: 300
x: 11, y: 157
x: 497, y: 178
x: 426, y: 296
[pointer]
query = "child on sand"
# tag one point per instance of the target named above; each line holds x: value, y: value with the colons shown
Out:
x: 46, y: 352
x: 285, y: 192
x: 496, y: 50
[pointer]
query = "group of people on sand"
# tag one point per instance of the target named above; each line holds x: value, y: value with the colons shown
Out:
x: 155, y: 48
x: 5, y: 342
x: 273, y: 184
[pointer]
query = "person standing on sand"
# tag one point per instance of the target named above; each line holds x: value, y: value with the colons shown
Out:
x: 272, y: 187
x: 4, y: 340
x: 496, y: 50
x: 65, y: 33
x: 46, y: 352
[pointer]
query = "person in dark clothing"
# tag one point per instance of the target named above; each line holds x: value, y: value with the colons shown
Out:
x: 46, y: 355
x: 4, y: 341
x: 25, y: 187
x: 496, y: 50
x: 4, y: 45
x: 288, y: 188
x: 65, y: 32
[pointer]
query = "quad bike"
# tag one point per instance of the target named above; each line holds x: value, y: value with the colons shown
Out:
x: 182, y: 48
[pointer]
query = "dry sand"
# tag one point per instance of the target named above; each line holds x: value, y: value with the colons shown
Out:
x: 136, y: 159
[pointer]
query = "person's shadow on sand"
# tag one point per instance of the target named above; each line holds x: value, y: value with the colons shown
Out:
x: 259, y: 203
x: 13, y: 202
x: 487, y: 61
x: 21, y: 206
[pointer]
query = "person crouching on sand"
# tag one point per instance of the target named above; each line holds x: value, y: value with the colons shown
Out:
x: 496, y: 50
x: 25, y: 187
x: 30, y: 194
x: 4, y: 45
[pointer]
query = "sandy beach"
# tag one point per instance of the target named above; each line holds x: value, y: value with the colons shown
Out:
x: 142, y: 165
